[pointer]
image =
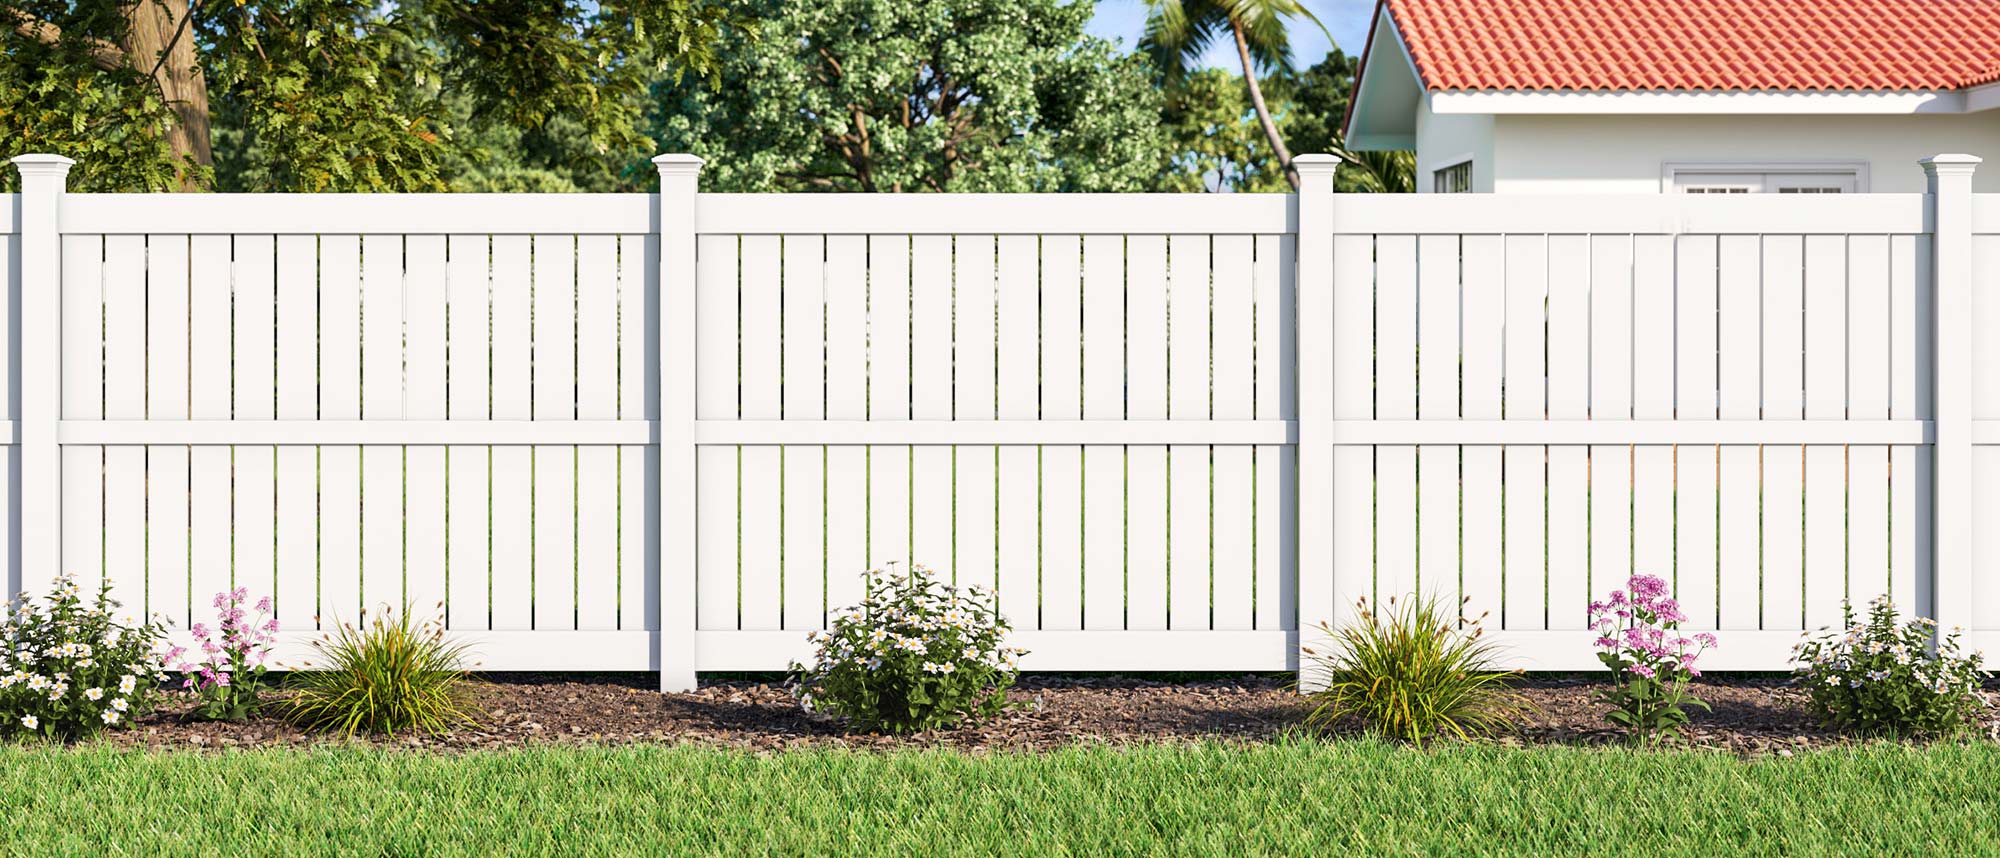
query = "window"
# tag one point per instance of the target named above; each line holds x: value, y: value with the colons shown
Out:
x: 1455, y: 179
x: 1841, y: 178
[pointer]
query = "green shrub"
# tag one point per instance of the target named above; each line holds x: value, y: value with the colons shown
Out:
x: 68, y: 670
x: 388, y: 676
x: 1884, y: 677
x: 914, y: 655
x: 1411, y: 674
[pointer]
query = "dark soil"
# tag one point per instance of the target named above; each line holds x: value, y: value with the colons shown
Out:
x: 1751, y: 717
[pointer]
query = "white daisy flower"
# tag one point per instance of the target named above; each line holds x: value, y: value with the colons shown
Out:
x: 110, y: 717
x: 31, y: 722
x: 93, y: 693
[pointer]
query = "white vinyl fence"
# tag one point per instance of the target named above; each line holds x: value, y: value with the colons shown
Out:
x: 669, y: 432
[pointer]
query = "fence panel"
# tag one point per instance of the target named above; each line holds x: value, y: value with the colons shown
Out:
x: 984, y: 401
x: 637, y: 432
x: 1609, y: 355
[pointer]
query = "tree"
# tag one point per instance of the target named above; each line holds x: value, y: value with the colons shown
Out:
x: 1218, y: 144
x: 1178, y: 32
x: 920, y: 95
x: 1317, y: 110
x: 333, y: 94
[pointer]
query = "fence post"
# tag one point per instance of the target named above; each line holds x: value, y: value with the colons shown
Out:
x: 1315, y: 399
x: 1950, y: 183
x: 678, y: 177
x: 37, y: 367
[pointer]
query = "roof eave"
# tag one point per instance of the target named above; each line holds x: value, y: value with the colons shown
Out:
x: 1714, y: 102
x: 1382, y: 113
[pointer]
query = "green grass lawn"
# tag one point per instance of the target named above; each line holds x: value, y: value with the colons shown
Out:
x: 1358, y: 798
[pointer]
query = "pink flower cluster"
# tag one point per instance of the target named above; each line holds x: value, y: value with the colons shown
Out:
x: 1641, y: 628
x: 244, y: 642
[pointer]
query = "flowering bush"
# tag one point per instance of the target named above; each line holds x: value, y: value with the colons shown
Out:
x: 1881, y: 676
x: 69, y: 670
x: 229, y: 676
x: 914, y: 655
x: 1650, y: 661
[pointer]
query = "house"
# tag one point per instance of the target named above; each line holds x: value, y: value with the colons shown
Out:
x: 1715, y: 96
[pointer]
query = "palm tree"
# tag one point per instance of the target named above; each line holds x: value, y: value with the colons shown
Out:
x: 1178, y: 32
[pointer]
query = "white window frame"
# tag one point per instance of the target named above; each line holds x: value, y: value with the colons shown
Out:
x: 1671, y: 171
x: 1465, y: 160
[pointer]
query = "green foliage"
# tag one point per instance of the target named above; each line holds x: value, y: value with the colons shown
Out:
x: 1879, y: 676
x: 1216, y: 143
x: 56, y: 99
x: 1411, y: 674
x: 389, y: 676
x: 919, y: 95
x: 69, y: 670
x: 347, y: 95
x: 915, y: 655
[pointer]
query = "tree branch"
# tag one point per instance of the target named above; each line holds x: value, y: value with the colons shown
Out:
x: 103, y: 54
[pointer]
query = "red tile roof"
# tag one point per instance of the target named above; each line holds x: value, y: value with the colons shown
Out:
x: 1701, y: 44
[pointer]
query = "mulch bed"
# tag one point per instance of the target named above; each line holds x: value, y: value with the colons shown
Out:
x: 1752, y: 717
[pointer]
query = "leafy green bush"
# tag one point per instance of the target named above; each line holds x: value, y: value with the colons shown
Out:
x: 1411, y: 674
x: 68, y: 670
x: 914, y: 655
x: 1881, y: 676
x: 388, y: 676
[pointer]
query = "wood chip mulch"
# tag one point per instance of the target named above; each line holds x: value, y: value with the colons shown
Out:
x: 1752, y: 717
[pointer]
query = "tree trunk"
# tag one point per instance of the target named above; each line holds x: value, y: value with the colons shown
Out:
x: 1263, y: 113
x: 160, y: 41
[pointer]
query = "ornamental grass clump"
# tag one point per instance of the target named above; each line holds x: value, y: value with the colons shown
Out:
x: 1411, y: 673
x: 229, y: 675
x: 389, y: 675
x: 915, y: 655
x: 68, y: 670
x: 1880, y: 676
x: 1651, y: 663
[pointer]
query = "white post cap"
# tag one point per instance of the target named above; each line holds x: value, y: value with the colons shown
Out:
x: 1950, y: 163
x: 42, y: 165
x: 1315, y: 163
x: 677, y: 164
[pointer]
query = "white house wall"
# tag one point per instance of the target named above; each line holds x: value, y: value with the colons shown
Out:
x: 1446, y: 139
x: 1627, y: 154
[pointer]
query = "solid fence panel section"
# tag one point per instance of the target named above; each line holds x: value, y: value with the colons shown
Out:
x: 1093, y: 412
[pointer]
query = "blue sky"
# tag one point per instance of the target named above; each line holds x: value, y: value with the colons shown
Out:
x: 1347, y: 19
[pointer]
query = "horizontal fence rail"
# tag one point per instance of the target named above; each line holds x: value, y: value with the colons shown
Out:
x: 670, y: 432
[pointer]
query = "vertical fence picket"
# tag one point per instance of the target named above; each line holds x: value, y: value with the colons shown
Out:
x: 253, y: 356
x: 210, y: 276
x: 1146, y: 359
x: 1569, y: 373
x: 762, y: 326
x: 511, y: 472
x: 469, y: 397
x: 846, y: 399
x: 425, y: 397
x: 1826, y: 382
x: 1868, y: 371
x: 1695, y: 380
x: 1103, y: 342
x: 973, y: 399
x: 1526, y: 465
x: 83, y: 536
x: 1062, y: 465
x: 805, y: 567
x: 1019, y: 324
x: 1188, y: 465
x: 1483, y: 356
